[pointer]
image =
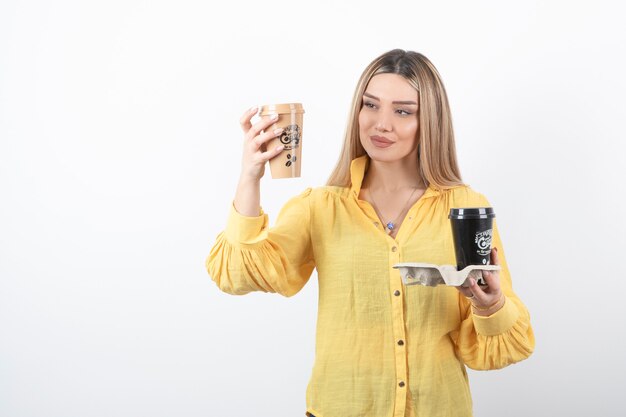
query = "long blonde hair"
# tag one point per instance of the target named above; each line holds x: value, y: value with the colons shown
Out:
x: 436, y: 156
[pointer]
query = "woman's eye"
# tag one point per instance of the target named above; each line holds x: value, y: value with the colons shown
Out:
x: 403, y: 112
x: 368, y: 104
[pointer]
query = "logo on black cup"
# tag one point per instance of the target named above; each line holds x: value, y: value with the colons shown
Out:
x: 483, y: 241
x: 291, y: 137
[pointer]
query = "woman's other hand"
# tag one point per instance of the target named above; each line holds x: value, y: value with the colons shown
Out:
x: 488, y: 299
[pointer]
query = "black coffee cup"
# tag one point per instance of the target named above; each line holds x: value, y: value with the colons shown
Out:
x: 472, y: 231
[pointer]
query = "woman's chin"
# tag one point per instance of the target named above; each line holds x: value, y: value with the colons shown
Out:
x: 384, y: 155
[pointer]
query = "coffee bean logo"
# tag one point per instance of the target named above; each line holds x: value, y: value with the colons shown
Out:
x: 291, y: 159
x: 291, y: 137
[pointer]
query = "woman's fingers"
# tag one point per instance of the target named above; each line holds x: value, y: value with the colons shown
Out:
x: 480, y: 297
x: 494, y: 257
x: 266, y: 136
x: 261, y: 125
x: 484, y: 296
x: 492, y: 278
x: 255, y: 154
x: 465, y: 291
x: 245, y: 119
x: 271, y: 153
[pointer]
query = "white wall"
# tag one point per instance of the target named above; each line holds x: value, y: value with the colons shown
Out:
x: 120, y: 150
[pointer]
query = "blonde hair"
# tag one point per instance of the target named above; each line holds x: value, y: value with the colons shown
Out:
x: 436, y: 154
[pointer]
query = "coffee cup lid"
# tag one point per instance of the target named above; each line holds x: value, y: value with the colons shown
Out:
x: 472, y: 213
x: 281, y: 108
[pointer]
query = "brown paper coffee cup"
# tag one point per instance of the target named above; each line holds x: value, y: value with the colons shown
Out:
x: 286, y: 164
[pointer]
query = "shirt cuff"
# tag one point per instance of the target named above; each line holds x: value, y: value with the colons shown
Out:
x: 499, y: 322
x: 245, y: 230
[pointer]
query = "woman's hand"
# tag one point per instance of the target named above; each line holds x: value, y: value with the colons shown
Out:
x: 488, y: 299
x: 254, y: 154
x: 248, y: 195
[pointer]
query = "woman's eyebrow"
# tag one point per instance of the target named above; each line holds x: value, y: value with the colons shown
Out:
x: 393, y: 102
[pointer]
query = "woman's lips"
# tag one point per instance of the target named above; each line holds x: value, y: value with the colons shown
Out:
x: 380, y: 142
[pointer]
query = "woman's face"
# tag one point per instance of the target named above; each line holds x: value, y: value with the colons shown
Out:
x: 388, y: 118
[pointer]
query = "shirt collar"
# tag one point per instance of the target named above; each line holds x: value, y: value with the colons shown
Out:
x: 358, y: 167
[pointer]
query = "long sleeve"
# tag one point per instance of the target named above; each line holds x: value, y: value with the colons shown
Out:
x: 505, y: 337
x: 249, y: 256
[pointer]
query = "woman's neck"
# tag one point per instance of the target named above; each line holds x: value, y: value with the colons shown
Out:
x: 390, y: 177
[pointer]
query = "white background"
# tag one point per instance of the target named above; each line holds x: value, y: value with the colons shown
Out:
x: 119, y: 155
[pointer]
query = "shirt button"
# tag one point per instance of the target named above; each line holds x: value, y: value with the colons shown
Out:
x: 401, y: 384
x: 400, y: 342
x: 394, y: 249
x: 396, y: 293
x: 376, y: 224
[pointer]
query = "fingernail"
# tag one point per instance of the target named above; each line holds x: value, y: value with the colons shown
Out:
x: 253, y: 109
x: 472, y: 282
x: 279, y: 130
x: 274, y: 117
x: 279, y: 148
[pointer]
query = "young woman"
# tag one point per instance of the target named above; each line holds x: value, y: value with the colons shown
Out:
x: 382, y: 349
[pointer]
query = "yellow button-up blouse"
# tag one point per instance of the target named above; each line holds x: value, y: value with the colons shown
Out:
x: 382, y: 349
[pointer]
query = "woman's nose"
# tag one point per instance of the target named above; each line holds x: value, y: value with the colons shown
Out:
x: 382, y: 123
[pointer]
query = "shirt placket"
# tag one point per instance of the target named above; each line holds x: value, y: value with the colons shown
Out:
x: 397, y: 313
x: 399, y: 331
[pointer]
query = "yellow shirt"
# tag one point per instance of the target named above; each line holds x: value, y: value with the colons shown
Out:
x: 382, y: 349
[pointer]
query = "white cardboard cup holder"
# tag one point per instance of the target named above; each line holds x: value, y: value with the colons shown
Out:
x: 432, y: 275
